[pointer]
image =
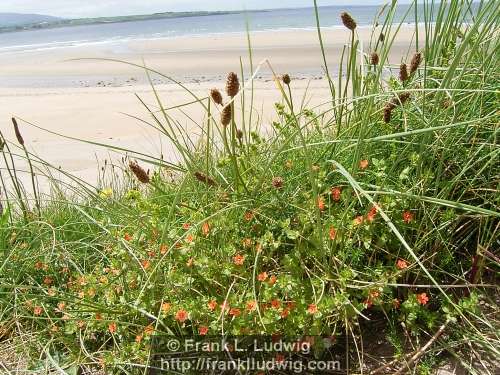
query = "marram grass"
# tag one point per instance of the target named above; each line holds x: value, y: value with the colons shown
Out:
x: 376, y: 216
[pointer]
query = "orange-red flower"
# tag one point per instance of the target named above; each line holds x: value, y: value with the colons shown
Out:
x: 48, y: 280
x: 145, y: 264
x: 422, y: 298
x: 189, y: 238
x: 396, y: 303
x: 37, y: 310
x: 186, y: 226
x: 332, y: 233
x: 312, y: 309
x: 212, y: 305
x: 40, y: 265
x: 272, y: 280
x: 235, y: 312
x: 138, y: 338
x: 280, y: 358
x: 149, y: 330
x: 359, y: 220
x: 190, y: 262
x: 321, y: 204
x: 248, y: 215
x: 336, y: 192
x: 205, y: 228
x: 163, y: 249
x: 363, y: 164
x: 275, y: 304
x: 284, y: 314
x: 165, y: 307
x: 372, y: 213
x: 112, y: 327
x: 374, y: 294
x: 127, y: 237
x: 407, y: 217
x: 239, y: 259
x: 181, y: 316
x: 251, y: 305
x: 262, y: 276
x: 203, y: 330
x: 401, y: 264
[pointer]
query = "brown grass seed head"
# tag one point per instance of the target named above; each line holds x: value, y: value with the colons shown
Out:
x: 278, y: 182
x: 18, y: 133
x: 403, y: 73
x: 232, y: 85
x: 139, y: 172
x: 216, y: 96
x: 348, y: 21
x: 387, y: 113
x: 374, y: 59
x: 415, y: 62
x: 204, y: 178
x: 225, y: 117
x: 286, y: 79
x: 403, y: 97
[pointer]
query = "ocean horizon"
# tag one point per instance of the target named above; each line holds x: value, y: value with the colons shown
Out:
x: 118, y: 32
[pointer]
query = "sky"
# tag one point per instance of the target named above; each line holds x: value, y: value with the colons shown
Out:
x: 100, y: 8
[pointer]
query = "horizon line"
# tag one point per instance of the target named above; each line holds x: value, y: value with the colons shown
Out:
x: 204, y: 11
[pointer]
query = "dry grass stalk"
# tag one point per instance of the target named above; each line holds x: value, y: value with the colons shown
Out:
x: 348, y: 21
x: 216, y: 96
x: 139, y: 172
x: 232, y: 85
x: 205, y: 179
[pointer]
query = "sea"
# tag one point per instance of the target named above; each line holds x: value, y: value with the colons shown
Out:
x: 254, y: 21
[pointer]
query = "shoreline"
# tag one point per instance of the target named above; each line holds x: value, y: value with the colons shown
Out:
x: 180, y: 58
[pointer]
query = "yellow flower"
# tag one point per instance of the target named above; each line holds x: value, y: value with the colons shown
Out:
x: 106, y: 193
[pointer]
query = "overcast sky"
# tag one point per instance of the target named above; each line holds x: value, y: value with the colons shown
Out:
x: 98, y: 8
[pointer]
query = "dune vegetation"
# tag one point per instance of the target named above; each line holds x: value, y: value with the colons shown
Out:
x: 373, y: 218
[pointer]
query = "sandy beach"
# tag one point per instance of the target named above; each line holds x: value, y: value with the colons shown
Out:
x: 91, y: 99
